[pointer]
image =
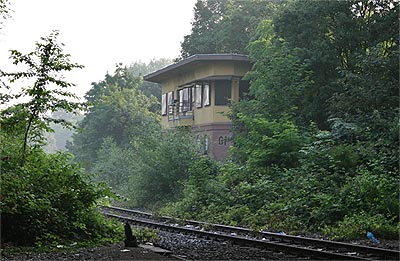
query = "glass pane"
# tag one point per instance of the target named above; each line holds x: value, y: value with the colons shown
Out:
x: 206, y: 141
x: 222, y: 92
x: 192, y: 100
x: 198, y: 95
x: 244, y: 87
x: 184, y: 100
x: 164, y: 104
x: 171, y: 103
x: 206, y: 94
x: 180, y: 101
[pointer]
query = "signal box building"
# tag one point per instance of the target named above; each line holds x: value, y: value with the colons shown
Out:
x: 197, y: 91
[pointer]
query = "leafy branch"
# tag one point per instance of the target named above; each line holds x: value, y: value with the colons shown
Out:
x: 48, y: 93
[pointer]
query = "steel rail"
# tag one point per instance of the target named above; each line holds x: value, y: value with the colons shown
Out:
x: 386, y: 253
x: 274, y: 246
x: 281, y: 238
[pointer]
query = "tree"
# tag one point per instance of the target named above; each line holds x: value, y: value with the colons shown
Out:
x: 279, y: 77
x: 149, y: 88
x: 47, y: 94
x: 4, y: 12
x: 57, y: 140
x: 207, y: 15
x: 121, y: 80
x: 225, y: 26
x: 240, y: 22
x: 160, y: 164
x: 114, y: 166
x: 316, y: 146
x: 46, y: 199
x: 329, y: 36
x: 118, y: 110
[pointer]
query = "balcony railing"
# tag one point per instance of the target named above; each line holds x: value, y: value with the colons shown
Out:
x: 179, y: 111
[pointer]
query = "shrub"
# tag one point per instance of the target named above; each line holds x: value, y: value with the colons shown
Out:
x: 357, y: 226
x: 48, y: 199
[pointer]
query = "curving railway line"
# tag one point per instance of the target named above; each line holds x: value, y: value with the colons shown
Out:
x: 294, y: 245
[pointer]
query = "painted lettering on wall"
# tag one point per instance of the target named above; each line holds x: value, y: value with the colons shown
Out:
x: 222, y: 140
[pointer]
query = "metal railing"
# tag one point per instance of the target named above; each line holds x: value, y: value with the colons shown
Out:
x: 180, y: 110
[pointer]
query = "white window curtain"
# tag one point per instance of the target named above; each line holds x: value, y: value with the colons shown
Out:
x: 192, y: 97
x: 170, y: 103
x: 206, y: 143
x: 206, y: 94
x: 185, y: 99
x: 164, y: 104
x: 198, y: 95
x: 180, y: 101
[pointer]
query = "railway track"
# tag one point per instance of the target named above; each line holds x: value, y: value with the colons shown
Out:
x: 300, y: 246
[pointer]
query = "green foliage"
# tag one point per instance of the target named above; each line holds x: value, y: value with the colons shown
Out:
x: 146, y: 235
x: 149, y: 88
x: 4, y: 12
x: 202, y: 38
x: 47, y: 199
x: 370, y: 91
x: 48, y: 92
x: 329, y: 183
x: 150, y: 170
x: 57, y: 139
x: 224, y: 26
x: 372, y: 190
x: 357, y: 226
x: 121, y: 141
x: 123, y: 108
x: 113, y: 166
x: 162, y: 164
x: 332, y: 36
x: 279, y: 77
x: 122, y: 79
x: 316, y: 146
x: 263, y: 142
x: 115, y: 233
x: 119, y: 110
x: 199, y: 192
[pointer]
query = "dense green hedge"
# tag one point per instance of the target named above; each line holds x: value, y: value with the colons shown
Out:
x: 47, y: 199
x: 318, y: 196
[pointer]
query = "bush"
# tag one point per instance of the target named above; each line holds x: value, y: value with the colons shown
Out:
x: 357, y: 225
x: 373, y: 191
x: 160, y: 165
x: 146, y: 235
x: 47, y: 199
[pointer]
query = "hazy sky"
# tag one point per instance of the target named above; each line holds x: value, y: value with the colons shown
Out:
x: 99, y: 33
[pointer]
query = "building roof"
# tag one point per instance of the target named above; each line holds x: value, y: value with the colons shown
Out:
x: 192, y: 61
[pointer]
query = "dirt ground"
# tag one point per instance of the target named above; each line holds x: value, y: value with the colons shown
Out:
x: 143, y: 252
x: 110, y: 252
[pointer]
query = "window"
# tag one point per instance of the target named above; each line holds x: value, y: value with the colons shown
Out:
x: 244, y: 87
x: 171, y: 103
x: 198, y: 95
x: 206, y: 144
x: 184, y: 100
x: 192, y: 98
x: 206, y: 94
x: 222, y: 92
x: 164, y: 104
x: 198, y: 143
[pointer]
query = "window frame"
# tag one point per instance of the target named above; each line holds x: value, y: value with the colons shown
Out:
x: 164, y: 105
x: 206, y: 98
x: 185, y: 99
x: 199, y: 95
x: 218, y: 98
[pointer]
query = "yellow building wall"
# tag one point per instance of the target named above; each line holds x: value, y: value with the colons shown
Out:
x: 206, y: 114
